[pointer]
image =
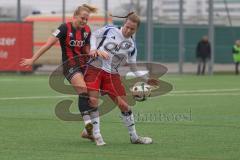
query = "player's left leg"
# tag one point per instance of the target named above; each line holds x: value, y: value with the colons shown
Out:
x: 128, y: 119
x: 117, y: 93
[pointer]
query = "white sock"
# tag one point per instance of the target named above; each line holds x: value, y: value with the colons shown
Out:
x: 86, y: 120
x: 128, y: 120
x: 96, y: 123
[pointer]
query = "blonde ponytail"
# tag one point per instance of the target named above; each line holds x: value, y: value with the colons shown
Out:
x: 132, y: 16
x: 92, y: 9
x: 85, y: 7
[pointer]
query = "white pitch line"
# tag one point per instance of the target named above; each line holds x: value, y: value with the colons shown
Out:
x: 204, y: 94
x: 207, y: 90
x: 33, y: 97
x: 172, y: 93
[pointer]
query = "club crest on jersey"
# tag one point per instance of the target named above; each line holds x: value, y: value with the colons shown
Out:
x: 85, y: 34
x: 70, y: 34
x: 71, y: 70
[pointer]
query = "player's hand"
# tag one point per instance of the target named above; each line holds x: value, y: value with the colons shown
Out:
x: 26, y: 62
x: 93, y: 53
x: 103, y: 54
x: 153, y: 82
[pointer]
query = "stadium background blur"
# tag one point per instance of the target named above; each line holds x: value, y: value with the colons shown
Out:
x: 170, y: 40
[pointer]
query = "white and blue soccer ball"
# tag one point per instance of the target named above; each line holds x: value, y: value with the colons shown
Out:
x: 141, y: 91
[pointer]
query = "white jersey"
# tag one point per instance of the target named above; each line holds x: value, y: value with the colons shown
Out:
x: 121, y: 50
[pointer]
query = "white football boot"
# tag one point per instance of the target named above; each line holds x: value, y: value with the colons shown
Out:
x: 99, y: 140
x: 142, y: 140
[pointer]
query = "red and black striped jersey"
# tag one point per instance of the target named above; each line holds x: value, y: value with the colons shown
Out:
x: 73, y: 41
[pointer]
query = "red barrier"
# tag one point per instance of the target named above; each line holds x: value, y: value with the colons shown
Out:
x: 16, y: 42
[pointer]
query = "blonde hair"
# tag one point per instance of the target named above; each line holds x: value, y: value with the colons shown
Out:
x: 85, y: 7
x: 132, y: 16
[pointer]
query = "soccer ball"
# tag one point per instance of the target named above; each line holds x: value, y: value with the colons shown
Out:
x: 140, y: 91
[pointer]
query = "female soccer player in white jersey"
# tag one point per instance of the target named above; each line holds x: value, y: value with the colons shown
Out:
x: 111, y: 45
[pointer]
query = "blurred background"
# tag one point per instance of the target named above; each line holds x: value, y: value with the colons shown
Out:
x: 169, y: 32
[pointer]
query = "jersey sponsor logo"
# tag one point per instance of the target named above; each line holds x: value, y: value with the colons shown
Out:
x: 118, y: 60
x: 74, y: 43
x: 56, y: 32
x: 113, y: 47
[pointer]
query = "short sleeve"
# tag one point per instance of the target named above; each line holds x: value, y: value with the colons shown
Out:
x: 132, y: 57
x: 61, y: 31
x: 87, y: 42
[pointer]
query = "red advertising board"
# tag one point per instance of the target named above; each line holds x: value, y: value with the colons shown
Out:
x: 16, y: 42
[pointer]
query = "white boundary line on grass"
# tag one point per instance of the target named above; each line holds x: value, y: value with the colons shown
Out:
x: 172, y: 93
x: 206, y: 90
x: 204, y: 94
x: 34, y: 97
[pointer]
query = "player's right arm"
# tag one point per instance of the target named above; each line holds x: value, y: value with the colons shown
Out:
x: 30, y: 61
x: 59, y: 33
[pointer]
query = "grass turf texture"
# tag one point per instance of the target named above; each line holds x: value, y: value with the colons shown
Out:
x: 199, y: 119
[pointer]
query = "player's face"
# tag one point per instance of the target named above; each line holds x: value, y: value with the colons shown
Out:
x: 129, y: 28
x: 81, y: 19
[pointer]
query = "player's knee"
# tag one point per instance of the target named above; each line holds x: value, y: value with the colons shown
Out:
x: 123, y: 106
x: 80, y: 89
x: 93, y: 102
x: 83, y: 104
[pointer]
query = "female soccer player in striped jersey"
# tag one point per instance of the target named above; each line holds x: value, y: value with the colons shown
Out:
x: 74, y: 38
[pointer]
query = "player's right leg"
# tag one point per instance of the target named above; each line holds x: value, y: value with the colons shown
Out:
x: 93, y: 80
x: 77, y: 81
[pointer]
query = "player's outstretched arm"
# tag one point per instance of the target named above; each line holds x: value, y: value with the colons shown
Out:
x: 30, y: 61
x: 145, y: 77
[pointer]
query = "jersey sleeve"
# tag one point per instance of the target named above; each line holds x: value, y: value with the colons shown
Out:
x: 98, y: 35
x: 132, y: 57
x: 60, y: 32
x: 87, y: 42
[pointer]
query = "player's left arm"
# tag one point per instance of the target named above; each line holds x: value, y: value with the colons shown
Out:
x: 132, y: 59
x: 94, y: 52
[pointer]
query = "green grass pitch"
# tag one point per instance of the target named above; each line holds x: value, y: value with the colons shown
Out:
x: 198, y: 120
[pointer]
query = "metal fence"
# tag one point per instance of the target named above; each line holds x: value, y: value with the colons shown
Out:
x: 169, y: 31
